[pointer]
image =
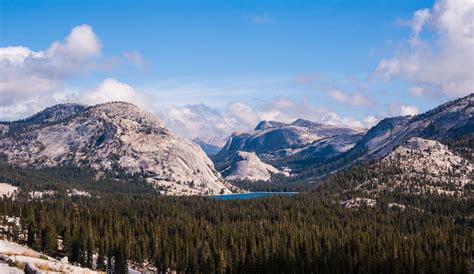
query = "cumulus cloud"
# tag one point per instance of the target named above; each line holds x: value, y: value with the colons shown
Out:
x: 28, y: 75
x: 408, y: 110
x: 403, y: 110
x: 354, y: 99
x: 243, y: 114
x: 370, y: 121
x: 444, y: 65
x: 287, y: 110
x: 199, y: 120
x: 202, y: 121
x: 112, y: 90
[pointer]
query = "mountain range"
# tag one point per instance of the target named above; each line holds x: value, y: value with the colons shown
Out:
x: 122, y: 138
x: 303, y: 145
x: 288, y: 146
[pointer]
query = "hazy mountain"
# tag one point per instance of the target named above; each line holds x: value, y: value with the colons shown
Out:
x: 112, y: 136
x: 208, y: 148
x: 284, y: 144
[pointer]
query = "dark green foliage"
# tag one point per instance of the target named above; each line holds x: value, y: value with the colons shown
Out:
x: 300, y: 234
x: 296, y: 234
x: 279, y: 185
x: 63, y: 178
x: 464, y: 146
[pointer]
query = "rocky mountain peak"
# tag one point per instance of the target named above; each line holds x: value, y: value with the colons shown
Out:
x: 127, y: 114
x: 263, y: 125
x: 114, y: 136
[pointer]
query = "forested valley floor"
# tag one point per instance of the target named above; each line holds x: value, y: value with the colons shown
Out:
x: 306, y: 233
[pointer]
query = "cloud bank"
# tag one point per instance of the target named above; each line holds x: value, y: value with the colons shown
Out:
x: 445, y: 65
x: 31, y: 78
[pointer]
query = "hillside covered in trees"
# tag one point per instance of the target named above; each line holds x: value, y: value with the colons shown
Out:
x: 309, y: 232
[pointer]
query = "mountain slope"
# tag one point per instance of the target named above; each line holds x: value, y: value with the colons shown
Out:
x: 283, y: 145
x: 247, y: 166
x: 449, y: 120
x: 420, y: 174
x: 424, y: 167
x: 116, y: 136
x: 446, y: 122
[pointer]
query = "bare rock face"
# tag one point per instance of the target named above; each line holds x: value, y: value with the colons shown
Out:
x: 114, y: 135
x: 282, y: 144
x: 425, y: 167
x: 247, y: 166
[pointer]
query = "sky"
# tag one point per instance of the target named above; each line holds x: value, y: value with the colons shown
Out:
x: 208, y: 68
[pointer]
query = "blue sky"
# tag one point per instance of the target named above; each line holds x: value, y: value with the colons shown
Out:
x: 318, y: 56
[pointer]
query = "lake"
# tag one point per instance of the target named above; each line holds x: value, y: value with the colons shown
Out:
x: 249, y: 195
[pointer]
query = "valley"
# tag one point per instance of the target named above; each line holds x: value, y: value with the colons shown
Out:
x: 415, y: 184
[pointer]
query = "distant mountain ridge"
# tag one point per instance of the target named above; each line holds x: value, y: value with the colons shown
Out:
x: 209, y: 148
x: 449, y: 120
x: 282, y: 144
x: 111, y: 136
x: 303, y: 145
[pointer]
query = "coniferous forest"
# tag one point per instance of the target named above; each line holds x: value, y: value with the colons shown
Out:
x: 305, y: 233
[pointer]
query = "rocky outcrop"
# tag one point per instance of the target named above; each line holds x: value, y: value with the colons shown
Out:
x: 113, y: 136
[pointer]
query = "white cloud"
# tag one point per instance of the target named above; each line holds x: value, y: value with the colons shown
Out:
x: 416, y: 90
x: 243, y: 114
x: 408, y: 110
x: 80, y: 43
x: 112, y: 90
x: 355, y: 99
x: 193, y: 121
x: 28, y: 75
x: 403, y: 110
x: 198, y: 120
x: 446, y: 65
x: 23, y: 108
x: 370, y: 121
x: 332, y: 118
x: 419, y: 20
x: 286, y: 110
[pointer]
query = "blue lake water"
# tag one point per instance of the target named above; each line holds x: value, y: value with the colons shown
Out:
x: 249, y: 195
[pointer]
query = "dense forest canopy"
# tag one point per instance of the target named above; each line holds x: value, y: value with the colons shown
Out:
x: 308, y: 232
